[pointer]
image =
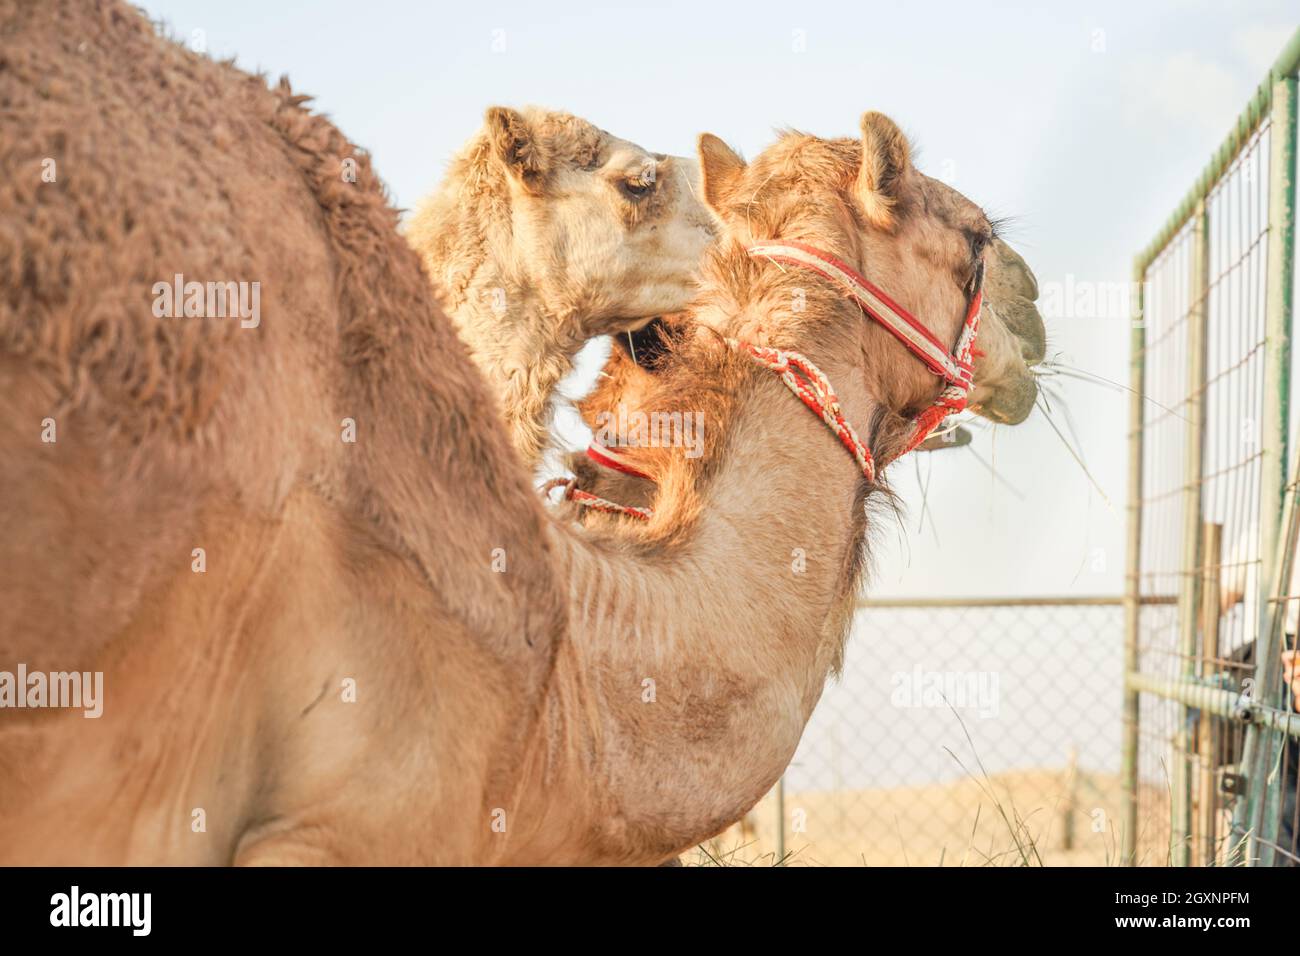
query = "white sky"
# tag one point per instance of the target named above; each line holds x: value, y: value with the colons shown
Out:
x: 1086, y: 124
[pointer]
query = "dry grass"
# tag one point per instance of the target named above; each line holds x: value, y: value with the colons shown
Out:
x: 1021, y: 818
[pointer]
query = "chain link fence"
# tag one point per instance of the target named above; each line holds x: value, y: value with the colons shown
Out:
x: 960, y: 732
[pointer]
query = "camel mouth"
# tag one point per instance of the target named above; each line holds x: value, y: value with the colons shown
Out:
x: 646, y: 344
x: 1010, y: 406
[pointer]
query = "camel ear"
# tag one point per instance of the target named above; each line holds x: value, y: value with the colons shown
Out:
x: 720, y: 171
x: 516, y: 146
x: 885, y: 158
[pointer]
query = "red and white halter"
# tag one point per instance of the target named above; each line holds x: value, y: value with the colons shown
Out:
x: 954, y: 367
x: 810, y: 384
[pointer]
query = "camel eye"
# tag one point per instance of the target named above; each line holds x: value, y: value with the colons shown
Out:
x: 638, y: 188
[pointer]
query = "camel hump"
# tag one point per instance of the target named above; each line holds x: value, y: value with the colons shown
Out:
x: 203, y: 284
x: 140, y: 265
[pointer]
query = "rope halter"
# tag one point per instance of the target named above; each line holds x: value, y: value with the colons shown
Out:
x: 954, y: 368
x: 813, y: 388
x: 799, y: 374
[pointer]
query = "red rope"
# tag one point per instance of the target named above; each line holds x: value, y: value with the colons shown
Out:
x: 814, y: 390
x: 587, y: 500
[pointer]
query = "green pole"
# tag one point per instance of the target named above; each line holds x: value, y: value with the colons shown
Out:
x: 1219, y: 702
x: 1189, y: 592
x: 1133, y: 572
x: 1277, y: 379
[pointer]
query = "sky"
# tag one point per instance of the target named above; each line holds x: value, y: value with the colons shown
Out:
x: 1083, y: 123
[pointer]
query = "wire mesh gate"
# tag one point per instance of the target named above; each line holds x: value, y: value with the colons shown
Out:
x: 1209, y: 752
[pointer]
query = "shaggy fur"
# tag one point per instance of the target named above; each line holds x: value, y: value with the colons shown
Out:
x: 325, y: 560
x: 501, y: 711
x: 548, y: 231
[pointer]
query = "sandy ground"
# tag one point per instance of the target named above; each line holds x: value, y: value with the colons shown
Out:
x: 1034, y: 817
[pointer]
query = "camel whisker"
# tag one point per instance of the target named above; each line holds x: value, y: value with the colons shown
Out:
x: 1054, y: 367
x: 996, y: 477
x: 1075, y: 455
x: 925, y: 499
x: 1065, y: 411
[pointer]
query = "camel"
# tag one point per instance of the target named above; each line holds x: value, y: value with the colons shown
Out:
x: 334, y: 622
x: 242, y: 527
x: 546, y: 232
x: 703, y: 596
x: 478, y: 234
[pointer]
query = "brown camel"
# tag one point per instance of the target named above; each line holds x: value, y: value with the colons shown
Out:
x: 242, y: 525
x: 334, y: 623
x: 547, y: 232
x: 703, y: 599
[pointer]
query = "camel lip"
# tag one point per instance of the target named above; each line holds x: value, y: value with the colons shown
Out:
x: 1033, y: 350
x: 1002, y: 413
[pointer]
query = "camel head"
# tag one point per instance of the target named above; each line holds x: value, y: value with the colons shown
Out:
x: 604, y: 230
x: 916, y: 238
x: 1012, y: 339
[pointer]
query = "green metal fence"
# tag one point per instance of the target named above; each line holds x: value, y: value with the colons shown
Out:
x: 1207, y: 766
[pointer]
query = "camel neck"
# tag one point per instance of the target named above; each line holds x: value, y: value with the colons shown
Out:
x: 523, y: 350
x: 783, y: 504
x: 714, y: 637
x: 522, y: 347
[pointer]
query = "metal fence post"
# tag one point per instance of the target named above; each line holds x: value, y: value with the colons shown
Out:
x: 1207, y: 727
x: 1274, y: 431
x: 780, y: 819
x: 1190, y: 587
x: 1133, y: 574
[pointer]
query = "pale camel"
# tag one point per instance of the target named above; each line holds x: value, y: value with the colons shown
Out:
x: 547, y: 232
x: 323, y: 650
